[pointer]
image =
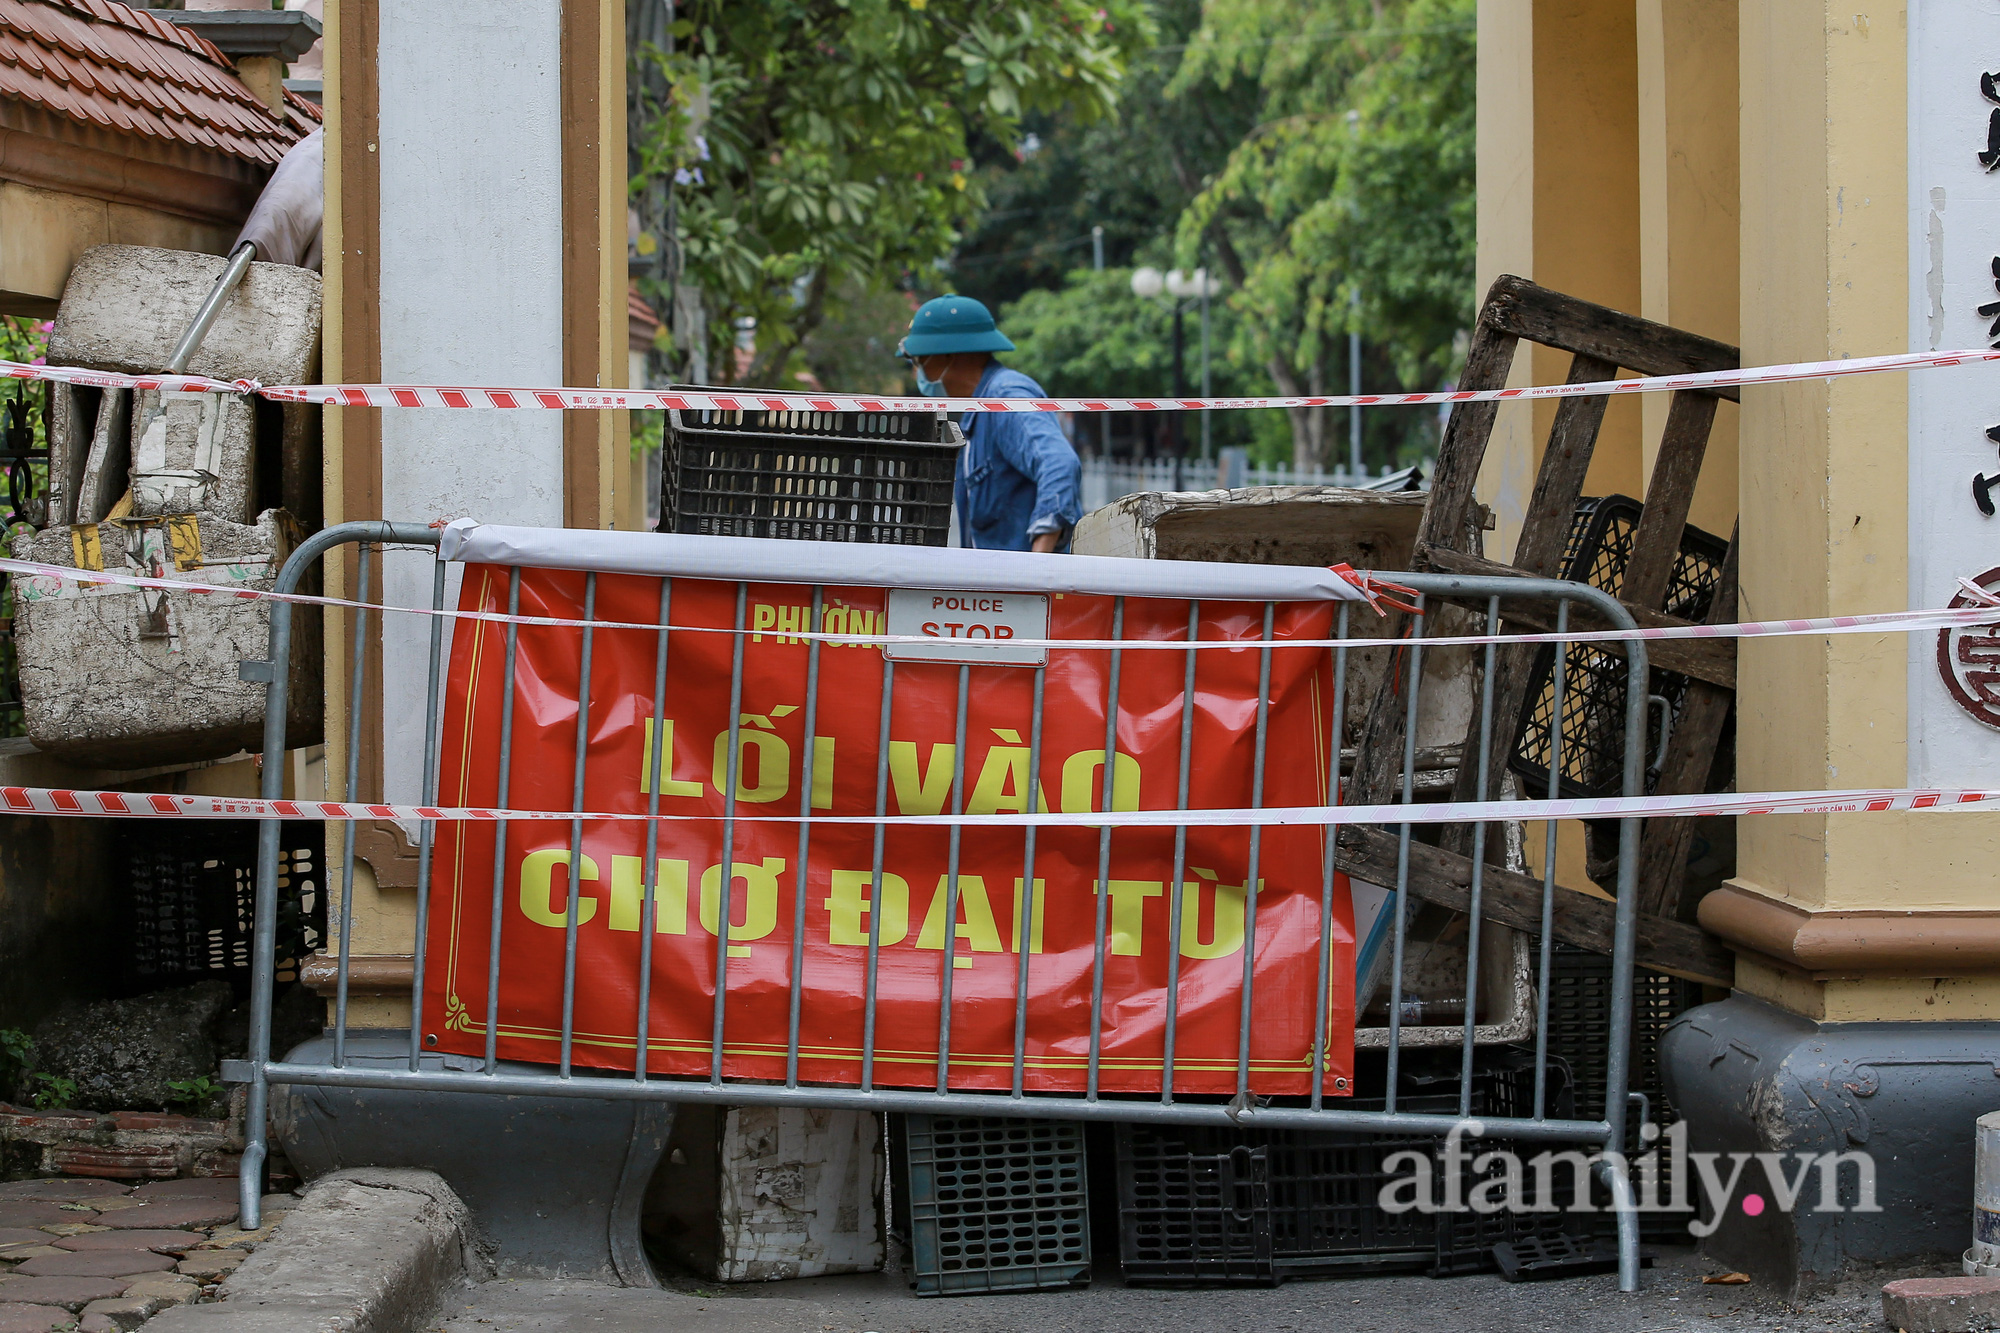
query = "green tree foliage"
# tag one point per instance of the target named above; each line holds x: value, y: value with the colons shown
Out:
x: 1132, y: 173
x: 1092, y: 336
x: 1350, y: 205
x: 821, y: 141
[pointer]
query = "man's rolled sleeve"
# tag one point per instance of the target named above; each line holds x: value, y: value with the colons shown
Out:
x: 1036, y: 447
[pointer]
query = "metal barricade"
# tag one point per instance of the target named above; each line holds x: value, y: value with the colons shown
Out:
x: 1485, y: 594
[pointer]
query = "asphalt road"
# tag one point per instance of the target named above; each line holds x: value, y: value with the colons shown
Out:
x: 1675, y: 1300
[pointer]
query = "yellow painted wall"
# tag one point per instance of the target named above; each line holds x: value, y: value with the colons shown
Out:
x: 1825, y: 467
x: 1558, y: 182
x: 1689, y: 214
x: 46, y: 231
x: 1558, y: 202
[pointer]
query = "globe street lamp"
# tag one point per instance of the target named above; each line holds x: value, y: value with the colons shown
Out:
x: 1185, y: 288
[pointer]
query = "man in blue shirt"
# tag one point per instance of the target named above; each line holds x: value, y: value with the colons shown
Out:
x: 1018, y: 477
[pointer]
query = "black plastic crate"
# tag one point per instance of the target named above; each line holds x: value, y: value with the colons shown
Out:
x: 1593, y: 721
x: 1201, y: 1205
x: 882, y: 477
x: 995, y: 1204
x: 194, y: 887
x: 1579, y: 1028
x: 1465, y: 1239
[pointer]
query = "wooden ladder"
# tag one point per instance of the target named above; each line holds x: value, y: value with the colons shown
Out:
x: 1601, y: 341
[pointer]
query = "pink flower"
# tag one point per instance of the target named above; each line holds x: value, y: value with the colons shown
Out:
x: 46, y: 326
x: 39, y: 361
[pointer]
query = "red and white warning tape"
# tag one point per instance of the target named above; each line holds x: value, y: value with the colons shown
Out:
x: 160, y: 805
x: 41, y: 582
x: 754, y: 400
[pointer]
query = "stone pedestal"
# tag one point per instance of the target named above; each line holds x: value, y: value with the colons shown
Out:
x: 1750, y: 1078
x: 556, y: 1184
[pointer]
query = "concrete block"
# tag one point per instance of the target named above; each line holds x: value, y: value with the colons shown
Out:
x: 760, y: 1193
x: 72, y: 417
x: 126, y: 677
x: 125, y: 306
x: 100, y: 466
x: 1942, y: 1304
x: 367, y: 1249
x: 195, y: 452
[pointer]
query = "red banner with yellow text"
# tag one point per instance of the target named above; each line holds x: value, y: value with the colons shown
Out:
x: 916, y: 940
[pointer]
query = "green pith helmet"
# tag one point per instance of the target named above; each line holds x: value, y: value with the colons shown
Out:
x: 952, y: 324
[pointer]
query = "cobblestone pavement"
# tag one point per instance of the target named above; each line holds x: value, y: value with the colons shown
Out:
x: 1675, y: 1300
x: 103, y: 1256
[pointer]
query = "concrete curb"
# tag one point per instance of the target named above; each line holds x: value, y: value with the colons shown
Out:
x: 368, y: 1250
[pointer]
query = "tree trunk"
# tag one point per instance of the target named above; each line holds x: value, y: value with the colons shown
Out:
x: 1316, y: 417
x: 771, y: 361
x: 1299, y: 418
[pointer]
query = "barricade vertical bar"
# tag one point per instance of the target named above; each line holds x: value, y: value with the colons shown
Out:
x: 725, y: 906
x: 1547, y: 960
x: 1474, y: 917
x: 951, y: 883
x: 875, y: 885
x: 1335, y: 732
x: 656, y: 768
x: 500, y: 827
x: 427, y: 829
x: 351, y: 792
x: 1256, y: 848
x: 1104, y: 853
x: 1625, y: 927
x: 1024, y: 916
x: 1174, y: 890
x: 264, y: 915
x: 1402, y: 906
x: 808, y: 770
x: 575, y: 906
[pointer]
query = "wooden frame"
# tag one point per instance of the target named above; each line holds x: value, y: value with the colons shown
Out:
x: 1601, y: 342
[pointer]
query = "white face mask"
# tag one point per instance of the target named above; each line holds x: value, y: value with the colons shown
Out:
x: 926, y: 386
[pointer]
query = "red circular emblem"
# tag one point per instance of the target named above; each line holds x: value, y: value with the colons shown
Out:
x: 1968, y: 658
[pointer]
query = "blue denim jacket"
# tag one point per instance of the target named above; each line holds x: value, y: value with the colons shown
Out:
x: 1018, y: 476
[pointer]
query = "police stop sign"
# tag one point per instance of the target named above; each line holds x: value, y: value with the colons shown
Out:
x: 968, y: 626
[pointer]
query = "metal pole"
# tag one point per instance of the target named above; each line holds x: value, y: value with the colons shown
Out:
x: 1180, y: 391
x: 1354, y: 387
x: 1207, y: 443
x: 1103, y: 418
x: 264, y: 919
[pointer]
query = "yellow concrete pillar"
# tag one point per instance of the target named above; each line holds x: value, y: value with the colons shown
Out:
x: 1688, y: 210
x: 1824, y: 488
x: 1559, y: 203
x: 1558, y: 183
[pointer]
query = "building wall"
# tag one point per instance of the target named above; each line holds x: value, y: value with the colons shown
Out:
x: 475, y: 236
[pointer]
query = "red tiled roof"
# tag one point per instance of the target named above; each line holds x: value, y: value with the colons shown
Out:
x: 129, y: 70
x: 640, y: 321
